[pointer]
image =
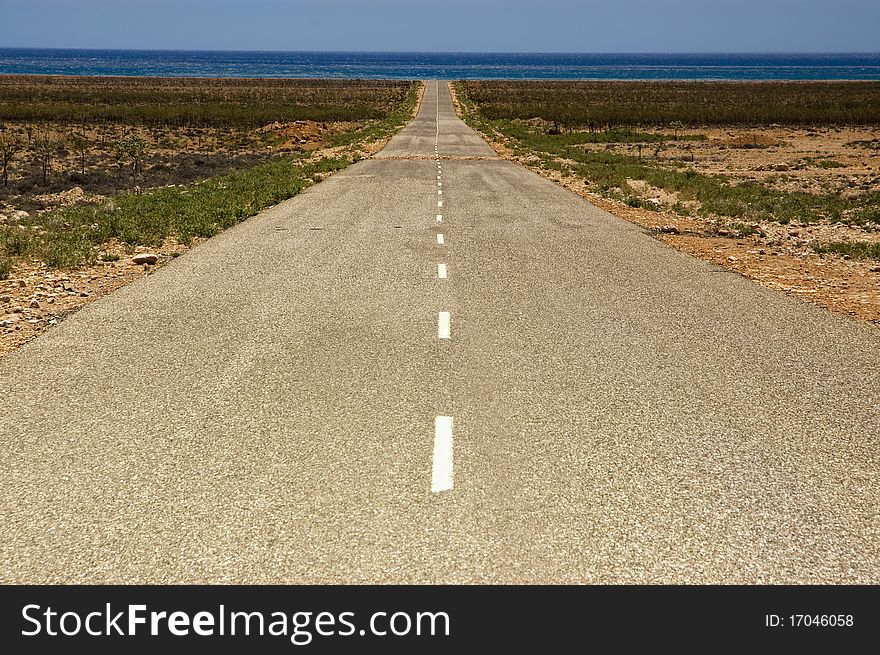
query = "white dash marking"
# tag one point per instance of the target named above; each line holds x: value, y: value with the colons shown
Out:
x: 439, y: 218
x: 443, y: 325
x: 439, y: 203
x: 439, y: 183
x: 441, y: 470
x: 440, y: 239
x: 441, y: 271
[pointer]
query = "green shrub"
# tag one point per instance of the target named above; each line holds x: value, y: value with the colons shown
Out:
x: 853, y: 249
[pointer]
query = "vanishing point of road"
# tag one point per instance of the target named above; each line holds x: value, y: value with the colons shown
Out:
x: 437, y: 366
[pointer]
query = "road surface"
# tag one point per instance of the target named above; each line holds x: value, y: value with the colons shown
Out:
x: 347, y: 388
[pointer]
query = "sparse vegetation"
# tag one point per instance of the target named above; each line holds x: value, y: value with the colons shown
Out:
x: 826, y: 163
x: 192, y: 102
x: 851, y: 249
x: 10, y: 145
x: 608, y: 172
x: 14, y: 240
x: 73, y: 236
x: 604, y: 135
x: 594, y: 105
x: 111, y: 134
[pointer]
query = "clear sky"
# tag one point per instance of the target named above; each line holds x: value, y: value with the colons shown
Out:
x: 447, y: 25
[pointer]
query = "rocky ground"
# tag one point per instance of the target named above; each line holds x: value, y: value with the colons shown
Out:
x: 814, y: 160
x: 123, y: 158
x: 37, y: 298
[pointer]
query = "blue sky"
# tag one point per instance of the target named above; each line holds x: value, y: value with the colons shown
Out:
x: 447, y: 25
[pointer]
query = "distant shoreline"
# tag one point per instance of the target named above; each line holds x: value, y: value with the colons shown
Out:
x: 277, y: 80
x: 453, y: 52
x: 456, y: 66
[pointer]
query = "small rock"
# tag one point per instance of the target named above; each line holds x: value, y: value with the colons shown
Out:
x: 732, y: 259
x: 669, y: 229
x: 84, y: 294
x: 875, y: 269
x: 5, y: 299
x: 17, y: 310
x: 34, y: 304
x: 146, y: 258
x: 20, y: 215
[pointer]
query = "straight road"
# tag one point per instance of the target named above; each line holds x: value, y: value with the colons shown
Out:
x: 361, y: 385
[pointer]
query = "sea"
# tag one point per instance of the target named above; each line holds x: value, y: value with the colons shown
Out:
x: 456, y: 66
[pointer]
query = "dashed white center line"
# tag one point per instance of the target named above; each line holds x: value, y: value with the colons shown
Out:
x: 441, y: 470
x: 442, y: 463
x: 443, y: 325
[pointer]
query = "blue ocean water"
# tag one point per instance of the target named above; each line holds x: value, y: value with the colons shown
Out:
x: 399, y: 65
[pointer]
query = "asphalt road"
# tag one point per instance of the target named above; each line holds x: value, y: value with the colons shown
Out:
x: 277, y: 404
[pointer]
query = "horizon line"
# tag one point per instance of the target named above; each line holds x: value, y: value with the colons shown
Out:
x: 450, y: 52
